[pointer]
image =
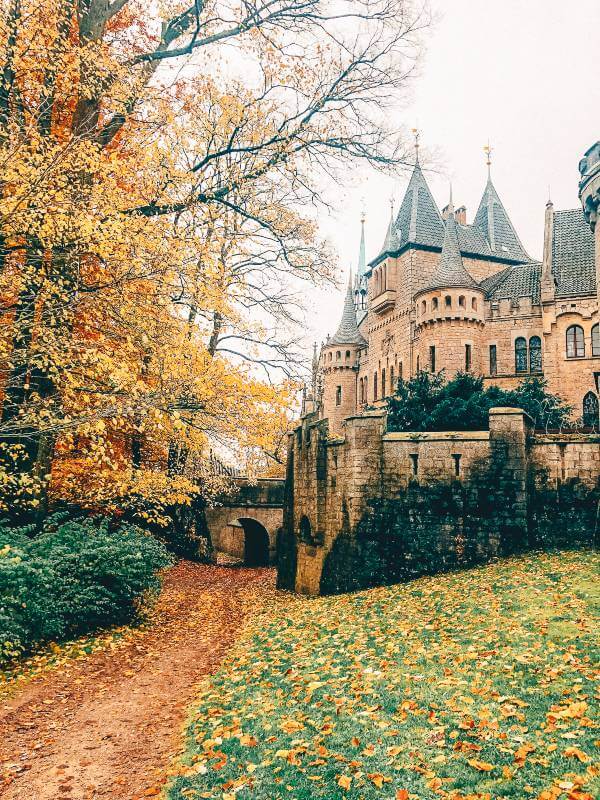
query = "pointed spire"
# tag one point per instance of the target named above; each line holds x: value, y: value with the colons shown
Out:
x: 547, y: 283
x: 493, y: 221
x: 391, y: 242
x: 362, y: 260
x: 418, y: 220
x: 450, y: 272
x: 347, y: 332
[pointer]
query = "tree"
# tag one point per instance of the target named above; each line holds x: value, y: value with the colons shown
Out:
x: 427, y: 402
x: 155, y: 176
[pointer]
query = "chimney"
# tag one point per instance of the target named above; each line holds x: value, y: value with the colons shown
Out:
x: 460, y: 214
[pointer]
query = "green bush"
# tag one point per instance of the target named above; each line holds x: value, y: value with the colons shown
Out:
x: 430, y: 403
x: 76, y: 576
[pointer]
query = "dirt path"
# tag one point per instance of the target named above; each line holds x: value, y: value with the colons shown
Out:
x: 106, y: 726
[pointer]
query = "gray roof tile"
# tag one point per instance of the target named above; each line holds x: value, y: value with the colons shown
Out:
x: 450, y: 271
x: 347, y: 332
x: 493, y: 221
x: 573, y: 254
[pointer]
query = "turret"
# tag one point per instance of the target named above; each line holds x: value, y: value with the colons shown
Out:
x: 339, y: 366
x: 449, y: 311
x: 589, y: 194
x: 547, y: 283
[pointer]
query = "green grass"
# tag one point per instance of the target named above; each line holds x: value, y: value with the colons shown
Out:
x: 476, y: 684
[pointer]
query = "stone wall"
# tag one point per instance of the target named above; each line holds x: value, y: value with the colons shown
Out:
x: 373, y: 507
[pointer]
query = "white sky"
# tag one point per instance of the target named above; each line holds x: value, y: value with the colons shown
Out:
x: 523, y: 73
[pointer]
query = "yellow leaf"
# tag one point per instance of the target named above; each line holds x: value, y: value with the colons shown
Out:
x: 482, y: 766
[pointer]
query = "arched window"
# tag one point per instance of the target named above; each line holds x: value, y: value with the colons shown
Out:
x: 591, y: 412
x: 418, y: 364
x: 434, y: 303
x: 375, y: 386
x: 474, y: 304
x: 330, y: 356
x: 338, y: 395
x: 392, y: 387
x: 383, y: 382
x: 521, y: 354
x: 338, y: 355
x: 535, y: 354
x: 366, y: 389
x: 361, y: 390
x: 424, y: 306
x: 462, y: 302
x: 305, y: 530
x: 400, y: 371
x: 575, y: 342
x: 596, y: 340
x: 347, y: 354
x: 448, y: 301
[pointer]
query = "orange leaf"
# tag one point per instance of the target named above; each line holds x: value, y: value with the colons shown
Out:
x: 482, y: 766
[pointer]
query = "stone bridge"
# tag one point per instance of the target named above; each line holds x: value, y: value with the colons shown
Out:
x: 246, y: 522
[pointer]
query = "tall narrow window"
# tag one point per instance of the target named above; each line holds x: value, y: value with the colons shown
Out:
x: 591, y: 412
x: 575, y: 342
x: 432, y: 358
x: 596, y: 340
x: 493, y: 360
x: 366, y: 389
x: 361, y: 390
x: 375, y: 386
x: 468, y: 357
x: 383, y: 382
x: 521, y: 354
x: 392, y: 387
x: 535, y: 354
x: 418, y: 364
x: 338, y: 395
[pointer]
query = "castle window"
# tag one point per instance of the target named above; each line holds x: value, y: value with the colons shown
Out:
x: 575, y: 342
x: 462, y: 302
x: 474, y: 304
x: 521, y: 354
x: 400, y: 371
x: 591, y: 410
x: 347, y: 354
x: 330, y: 356
x: 448, y: 301
x: 375, y: 386
x: 535, y: 354
x: 306, y: 534
x: 361, y: 390
x: 383, y: 382
x: 338, y: 355
x: 434, y: 303
x: 423, y: 306
x: 596, y: 340
x: 493, y: 360
x: 366, y: 389
x: 418, y: 364
x: 392, y: 387
x: 432, y: 358
x: 414, y: 457
x: 338, y: 395
x: 456, y: 457
x: 468, y: 357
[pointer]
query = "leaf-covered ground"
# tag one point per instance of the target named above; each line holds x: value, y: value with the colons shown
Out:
x: 471, y: 685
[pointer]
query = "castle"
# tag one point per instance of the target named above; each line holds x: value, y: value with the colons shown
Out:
x: 365, y: 506
x: 444, y: 294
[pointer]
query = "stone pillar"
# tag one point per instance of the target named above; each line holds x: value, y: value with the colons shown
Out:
x: 507, y: 476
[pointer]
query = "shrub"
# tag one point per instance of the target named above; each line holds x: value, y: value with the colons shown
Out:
x: 430, y: 403
x: 76, y: 576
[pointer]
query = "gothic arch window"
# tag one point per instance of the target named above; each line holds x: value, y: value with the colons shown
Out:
x: 591, y: 410
x: 305, y: 530
x: 375, y: 386
x: 521, y: 354
x: 575, y: 342
x: 535, y: 354
x: 596, y: 340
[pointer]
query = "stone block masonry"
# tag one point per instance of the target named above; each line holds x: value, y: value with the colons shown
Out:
x: 371, y: 507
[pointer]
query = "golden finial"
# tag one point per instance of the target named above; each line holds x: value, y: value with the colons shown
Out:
x: 488, y: 149
x: 416, y: 133
x: 392, y: 205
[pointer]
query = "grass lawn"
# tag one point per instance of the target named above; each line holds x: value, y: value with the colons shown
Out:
x: 476, y: 684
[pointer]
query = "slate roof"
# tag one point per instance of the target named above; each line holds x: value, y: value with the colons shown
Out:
x: 573, y: 261
x: 450, y: 271
x: 493, y: 221
x: 419, y: 222
x: 347, y: 332
x: 520, y: 280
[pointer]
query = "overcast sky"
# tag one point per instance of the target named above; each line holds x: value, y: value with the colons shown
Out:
x: 523, y: 73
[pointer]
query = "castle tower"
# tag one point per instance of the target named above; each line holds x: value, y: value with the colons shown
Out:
x: 449, y: 312
x: 589, y: 194
x: 339, y: 366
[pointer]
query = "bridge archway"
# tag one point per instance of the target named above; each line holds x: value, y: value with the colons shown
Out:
x: 256, y: 543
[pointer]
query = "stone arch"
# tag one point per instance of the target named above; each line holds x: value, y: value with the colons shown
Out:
x: 256, y: 542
